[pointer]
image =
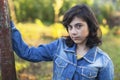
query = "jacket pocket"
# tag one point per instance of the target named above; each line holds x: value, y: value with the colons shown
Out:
x: 89, y: 73
x: 60, y: 62
x: 60, y: 65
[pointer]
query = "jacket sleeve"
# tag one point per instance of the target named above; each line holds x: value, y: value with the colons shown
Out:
x: 34, y: 54
x: 107, y: 72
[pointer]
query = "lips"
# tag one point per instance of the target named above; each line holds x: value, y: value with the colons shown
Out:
x: 75, y: 38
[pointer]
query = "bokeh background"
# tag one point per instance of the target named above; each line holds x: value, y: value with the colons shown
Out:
x: 39, y: 22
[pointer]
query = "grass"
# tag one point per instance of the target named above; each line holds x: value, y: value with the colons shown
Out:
x: 112, y: 47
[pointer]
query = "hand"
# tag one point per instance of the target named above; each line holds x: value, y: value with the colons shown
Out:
x: 12, y: 25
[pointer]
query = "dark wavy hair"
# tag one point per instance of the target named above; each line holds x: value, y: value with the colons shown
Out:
x: 85, y: 13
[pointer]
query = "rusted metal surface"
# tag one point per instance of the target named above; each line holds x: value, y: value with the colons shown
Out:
x: 7, y: 62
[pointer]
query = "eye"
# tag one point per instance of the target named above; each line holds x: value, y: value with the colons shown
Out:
x: 69, y: 27
x: 78, y: 26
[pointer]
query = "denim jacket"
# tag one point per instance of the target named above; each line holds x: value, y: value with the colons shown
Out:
x: 95, y: 65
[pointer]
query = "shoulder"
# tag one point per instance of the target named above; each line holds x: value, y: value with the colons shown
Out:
x: 103, y: 56
x: 103, y: 53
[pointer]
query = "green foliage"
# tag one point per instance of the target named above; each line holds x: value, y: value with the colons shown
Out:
x: 29, y: 10
x: 48, y: 10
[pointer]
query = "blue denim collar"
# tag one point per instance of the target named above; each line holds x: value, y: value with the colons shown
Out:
x: 89, y: 57
x: 70, y: 49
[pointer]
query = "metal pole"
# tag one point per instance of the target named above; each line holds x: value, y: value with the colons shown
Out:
x: 7, y: 62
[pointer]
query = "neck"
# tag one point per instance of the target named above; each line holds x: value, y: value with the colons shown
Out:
x: 81, y: 46
x: 82, y: 49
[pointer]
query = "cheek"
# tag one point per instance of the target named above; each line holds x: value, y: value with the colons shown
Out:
x: 69, y: 32
x: 84, y: 32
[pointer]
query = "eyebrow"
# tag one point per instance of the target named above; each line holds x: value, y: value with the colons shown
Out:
x: 69, y: 25
x: 75, y: 24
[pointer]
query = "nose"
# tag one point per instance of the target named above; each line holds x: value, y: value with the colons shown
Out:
x: 73, y: 31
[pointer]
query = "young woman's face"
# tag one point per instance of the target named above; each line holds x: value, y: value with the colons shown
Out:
x: 78, y: 30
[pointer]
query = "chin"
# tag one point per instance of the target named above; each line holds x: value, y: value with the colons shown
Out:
x: 77, y: 42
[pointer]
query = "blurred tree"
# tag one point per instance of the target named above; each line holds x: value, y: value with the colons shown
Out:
x: 116, y: 4
x: 103, y: 10
x: 12, y: 10
x: 57, y: 5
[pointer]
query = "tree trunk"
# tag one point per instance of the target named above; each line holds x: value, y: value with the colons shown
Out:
x: 7, y: 62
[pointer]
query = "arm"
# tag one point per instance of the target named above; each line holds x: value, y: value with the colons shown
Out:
x: 41, y: 53
x: 107, y: 72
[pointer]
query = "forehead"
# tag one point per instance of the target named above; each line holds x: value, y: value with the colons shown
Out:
x: 77, y: 20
